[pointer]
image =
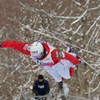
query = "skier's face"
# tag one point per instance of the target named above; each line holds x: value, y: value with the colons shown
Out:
x: 42, y: 55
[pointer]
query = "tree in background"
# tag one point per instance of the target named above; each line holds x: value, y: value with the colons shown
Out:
x: 74, y: 21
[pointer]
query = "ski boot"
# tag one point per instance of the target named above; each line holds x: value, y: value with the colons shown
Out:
x: 60, y: 85
x: 74, y: 49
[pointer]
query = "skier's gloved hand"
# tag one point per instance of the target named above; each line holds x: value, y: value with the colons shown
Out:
x: 80, y: 62
x: 0, y: 44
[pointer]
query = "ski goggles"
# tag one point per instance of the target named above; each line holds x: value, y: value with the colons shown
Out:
x: 39, y: 56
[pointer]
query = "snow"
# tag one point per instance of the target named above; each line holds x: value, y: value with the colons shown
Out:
x: 79, y: 4
x: 80, y: 17
x: 94, y: 8
x: 93, y: 25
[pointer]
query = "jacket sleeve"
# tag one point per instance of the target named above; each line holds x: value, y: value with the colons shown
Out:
x: 35, y: 88
x: 70, y: 57
x: 47, y: 88
x: 57, y: 55
x: 17, y: 45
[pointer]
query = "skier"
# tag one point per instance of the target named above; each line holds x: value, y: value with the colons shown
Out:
x: 59, y: 64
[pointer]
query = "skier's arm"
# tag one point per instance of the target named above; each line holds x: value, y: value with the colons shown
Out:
x: 57, y: 55
x: 35, y: 88
x: 70, y: 57
x: 47, y: 88
x: 17, y: 45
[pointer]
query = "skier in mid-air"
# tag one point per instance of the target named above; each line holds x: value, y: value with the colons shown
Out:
x: 59, y: 64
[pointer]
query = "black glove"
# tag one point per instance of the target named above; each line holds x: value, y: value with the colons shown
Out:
x: 0, y: 44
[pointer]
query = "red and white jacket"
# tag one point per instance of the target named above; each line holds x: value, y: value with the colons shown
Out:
x: 55, y: 55
x: 52, y: 56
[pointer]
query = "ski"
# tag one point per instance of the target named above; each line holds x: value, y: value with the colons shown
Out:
x: 64, y: 42
x: 63, y: 89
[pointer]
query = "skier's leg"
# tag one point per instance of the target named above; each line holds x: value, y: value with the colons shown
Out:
x: 65, y: 68
x: 53, y: 72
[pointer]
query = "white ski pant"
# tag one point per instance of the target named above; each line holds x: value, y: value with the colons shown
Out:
x: 61, y: 69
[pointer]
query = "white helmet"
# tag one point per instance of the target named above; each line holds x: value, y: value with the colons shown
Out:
x: 36, y: 50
